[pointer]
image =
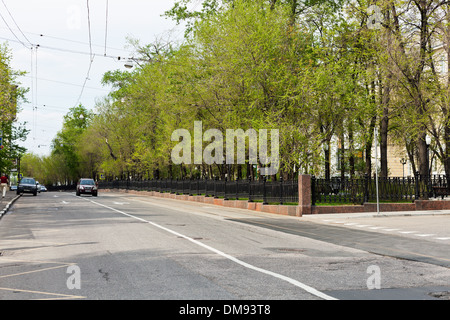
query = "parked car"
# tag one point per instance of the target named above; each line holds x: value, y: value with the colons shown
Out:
x: 38, y: 186
x: 43, y: 188
x: 86, y: 185
x: 27, y: 185
x: 13, y: 187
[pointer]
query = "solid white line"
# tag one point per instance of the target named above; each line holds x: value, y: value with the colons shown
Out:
x: 303, y: 286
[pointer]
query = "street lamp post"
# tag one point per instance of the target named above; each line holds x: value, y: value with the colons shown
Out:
x: 129, y: 64
x: 326, y: 149
x: 376, y: 169
x: 403, y: 162
x: 428, y: 142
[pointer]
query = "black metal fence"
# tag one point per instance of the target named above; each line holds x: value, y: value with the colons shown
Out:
x: 279, y: 192
x: 392, y: 189
x: 323, y: 191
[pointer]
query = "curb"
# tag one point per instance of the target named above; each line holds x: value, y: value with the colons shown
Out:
x: 283, y: 209
x: 8, y: 205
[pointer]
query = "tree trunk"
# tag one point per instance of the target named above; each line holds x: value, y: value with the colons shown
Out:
x: 369, y: 143
x: 384, y: 143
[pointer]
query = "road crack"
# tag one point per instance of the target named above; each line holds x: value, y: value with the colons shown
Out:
x: 105, y: 275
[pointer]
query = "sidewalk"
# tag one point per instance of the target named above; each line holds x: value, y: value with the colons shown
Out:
x: 375, y: 214
x: 7, y: 201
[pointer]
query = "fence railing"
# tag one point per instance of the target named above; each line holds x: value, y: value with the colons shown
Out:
x: 392, y: 189
x: 279, y: 192
x: 323, y: 191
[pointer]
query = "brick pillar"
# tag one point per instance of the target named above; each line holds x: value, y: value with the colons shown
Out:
x: 304, y: 194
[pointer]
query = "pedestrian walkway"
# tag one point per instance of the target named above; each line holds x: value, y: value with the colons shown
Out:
x: 375, y: 214
x: 7, y: 201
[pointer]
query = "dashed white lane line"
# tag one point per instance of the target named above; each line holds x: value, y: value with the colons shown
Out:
x: 414, y: 233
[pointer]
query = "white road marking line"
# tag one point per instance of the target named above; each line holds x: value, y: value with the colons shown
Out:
x: 299, y: 284
x: 384, y: 229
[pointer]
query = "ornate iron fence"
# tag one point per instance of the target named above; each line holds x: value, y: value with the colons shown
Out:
x: 392, y: 189
x: 280, y: 191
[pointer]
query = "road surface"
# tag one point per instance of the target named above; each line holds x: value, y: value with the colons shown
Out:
x: 121, y: 246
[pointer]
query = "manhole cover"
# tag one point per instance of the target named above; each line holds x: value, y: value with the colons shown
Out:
x: 441, y: 295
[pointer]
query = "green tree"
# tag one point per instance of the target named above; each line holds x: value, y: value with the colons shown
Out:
x: 10, y: 95
x: 65, y: 144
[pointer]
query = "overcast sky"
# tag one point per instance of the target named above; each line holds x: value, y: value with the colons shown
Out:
x: 57, y: 70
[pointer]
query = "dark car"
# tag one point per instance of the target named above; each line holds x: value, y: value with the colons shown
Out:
x: 27, y: 185
x: 86, y: 185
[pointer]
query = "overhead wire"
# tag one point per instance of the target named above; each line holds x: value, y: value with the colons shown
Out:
x: 14, y: 20
x: 15, y: 36
x: 41, y: 35
x: 71, y: 51
x: 106, y: 25
x: 67, y: 83
x: 33, y: 88
x: 89, y: 27
x: 33, y: 104
x: 34, y: 65
x: 91, y: 55
x: 36, y: 88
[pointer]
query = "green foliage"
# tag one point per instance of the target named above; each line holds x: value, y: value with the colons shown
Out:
x: 10, y: 95
x: 243, y: 65
x: 65, y: 146
x: 312, y: 69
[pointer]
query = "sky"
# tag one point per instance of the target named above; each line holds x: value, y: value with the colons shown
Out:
x: 61, y: 72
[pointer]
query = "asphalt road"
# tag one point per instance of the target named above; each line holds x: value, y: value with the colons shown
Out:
x: 120, y: 246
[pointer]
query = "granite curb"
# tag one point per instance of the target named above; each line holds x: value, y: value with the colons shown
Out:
x: 7, y: 202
